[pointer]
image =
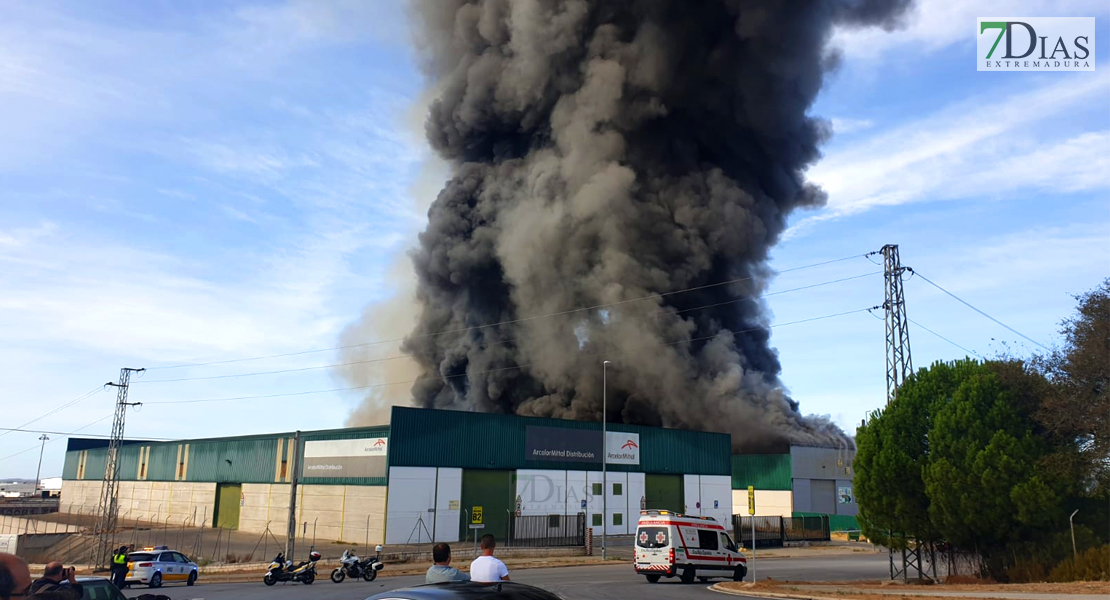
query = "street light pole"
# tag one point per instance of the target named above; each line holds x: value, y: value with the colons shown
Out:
x: 604, y: 458
x: 1074, y: 552
x: 38, y: 474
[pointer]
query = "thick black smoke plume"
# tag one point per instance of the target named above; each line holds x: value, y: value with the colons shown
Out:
x: 606, y: 151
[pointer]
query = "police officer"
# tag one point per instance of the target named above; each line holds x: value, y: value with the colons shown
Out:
x: 119, y: 567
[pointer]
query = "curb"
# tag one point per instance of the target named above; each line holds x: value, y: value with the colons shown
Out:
x: 762, y: 594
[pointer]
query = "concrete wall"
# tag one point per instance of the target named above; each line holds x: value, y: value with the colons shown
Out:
x: 337, y: 513
x: 153, y: 501
x: 768, y: 503
x: 346, y: 513
x: 79, y: 497
x: 179, y: 501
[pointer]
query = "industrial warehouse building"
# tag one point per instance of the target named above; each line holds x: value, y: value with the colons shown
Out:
x: 435, y: 474
x: 421, y: 476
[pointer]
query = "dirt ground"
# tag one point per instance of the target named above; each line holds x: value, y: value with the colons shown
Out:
x: 863, y: 590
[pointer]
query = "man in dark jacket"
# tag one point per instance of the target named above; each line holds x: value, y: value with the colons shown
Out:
x: 58, y: 580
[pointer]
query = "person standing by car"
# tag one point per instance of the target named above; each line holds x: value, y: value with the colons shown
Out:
x: 119, y: 567
x: 442, y: 570
x: 56, y: 578
x: 486, y: 568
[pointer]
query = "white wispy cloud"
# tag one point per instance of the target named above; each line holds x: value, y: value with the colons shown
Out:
x: 845, y: 126
x: 188, y: 193
x: 985, y: 147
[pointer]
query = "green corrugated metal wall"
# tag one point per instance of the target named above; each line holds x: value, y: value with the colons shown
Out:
x: 253, y: 459
x: 495, y: 492
x: 663, y: 492
x: 348, y: 434
x: 764, y: 471
x: 249, y: 460
x: 94, y: 464
x: 162, y: 465
x: 69, y: 468
x: 129, y: 462
x: 426, y: 438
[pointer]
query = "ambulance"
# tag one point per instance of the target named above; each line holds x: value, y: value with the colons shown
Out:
x: 669, y: 544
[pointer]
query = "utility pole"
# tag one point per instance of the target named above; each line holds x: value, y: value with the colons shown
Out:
x: 109, y: 509
x: 604, y: 458
x: 38, y: 474
x: 899, y: 365
x: 291, y: 531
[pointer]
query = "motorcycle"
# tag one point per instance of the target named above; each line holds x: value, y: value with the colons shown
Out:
x: 351, y: 566
x: 281, y: 570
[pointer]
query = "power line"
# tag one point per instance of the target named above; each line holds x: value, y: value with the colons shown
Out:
x: 498, y: 342
x: 64, y: 406
x: 52, y: 440
x: 972, y: 352
x: 378, y: 385
x: 967, y: 304
x: 509, y: 322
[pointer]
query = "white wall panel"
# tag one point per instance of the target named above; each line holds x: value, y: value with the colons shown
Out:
x: 577, y: 491
x: 716, y: 498
x: 542, y: 492
x: 617, y: 504
x: 636, y: 492
x: 691, y: 494
x: 412, y: 493
x: 448, y: 490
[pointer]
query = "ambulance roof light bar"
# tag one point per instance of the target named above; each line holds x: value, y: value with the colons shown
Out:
x: 656, y: 513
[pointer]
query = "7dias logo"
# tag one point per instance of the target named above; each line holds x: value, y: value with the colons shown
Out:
x: 1035, y: 44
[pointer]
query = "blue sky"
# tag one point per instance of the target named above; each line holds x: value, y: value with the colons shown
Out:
x: 191, y: 182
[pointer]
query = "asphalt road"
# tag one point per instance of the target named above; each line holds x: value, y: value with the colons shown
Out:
x: 571, y: 583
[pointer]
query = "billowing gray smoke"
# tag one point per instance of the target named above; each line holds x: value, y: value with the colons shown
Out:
x: 606, y: 151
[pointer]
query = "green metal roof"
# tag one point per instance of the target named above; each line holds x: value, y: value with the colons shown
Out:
x: 445, y: 438
x: 238, y: 459
x: 764, y: 471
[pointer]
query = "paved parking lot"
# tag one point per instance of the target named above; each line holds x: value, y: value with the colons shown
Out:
x: 571, y: 583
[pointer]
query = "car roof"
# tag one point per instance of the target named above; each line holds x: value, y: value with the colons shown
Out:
x: 89, y: 579
x: 504, y: 590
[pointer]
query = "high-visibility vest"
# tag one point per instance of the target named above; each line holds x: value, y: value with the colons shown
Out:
x: 120, y: 559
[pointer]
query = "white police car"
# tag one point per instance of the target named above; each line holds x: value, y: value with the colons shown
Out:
x: 155, y: 565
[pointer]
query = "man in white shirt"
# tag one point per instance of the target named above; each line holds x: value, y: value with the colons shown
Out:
x: 486, y: 568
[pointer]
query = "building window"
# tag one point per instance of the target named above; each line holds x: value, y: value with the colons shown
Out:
x: 283, y: 466
x: 618, y: 489
x: 181, y: 469
x: 596, y: 488
x: 554, y: 521
x: 618, y: 519
x: 596, y: 520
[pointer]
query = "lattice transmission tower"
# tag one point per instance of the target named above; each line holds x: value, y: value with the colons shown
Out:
x: 109, y: 508
x: 899, y: 364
